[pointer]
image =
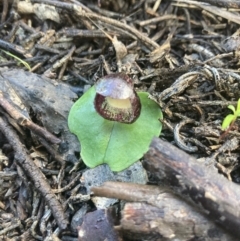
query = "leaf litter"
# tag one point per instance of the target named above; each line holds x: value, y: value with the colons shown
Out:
x: 185, y: 53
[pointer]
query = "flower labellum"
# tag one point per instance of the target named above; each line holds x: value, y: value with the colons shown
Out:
x: 116, y: 99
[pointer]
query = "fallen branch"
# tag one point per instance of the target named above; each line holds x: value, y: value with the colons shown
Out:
x: 196, y: 183
x: 171, y: 216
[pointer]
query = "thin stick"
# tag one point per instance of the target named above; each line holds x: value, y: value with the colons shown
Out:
x: 23, y: 121
x: 39, y: 180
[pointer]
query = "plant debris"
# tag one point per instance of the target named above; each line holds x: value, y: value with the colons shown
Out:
x: 184, y: 53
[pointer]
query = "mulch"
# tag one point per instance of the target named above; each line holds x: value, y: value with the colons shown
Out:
x: 184, y: 53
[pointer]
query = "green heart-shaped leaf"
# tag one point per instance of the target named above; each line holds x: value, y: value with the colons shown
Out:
x: 117, y: 144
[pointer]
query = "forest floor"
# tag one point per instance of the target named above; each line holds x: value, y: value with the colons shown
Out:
x: 185, y: 54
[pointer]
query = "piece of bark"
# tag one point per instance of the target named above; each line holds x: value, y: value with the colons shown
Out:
x: 141, y: 221
x: 159, y: 214
x: 50, y: 102
x: 196, y: 183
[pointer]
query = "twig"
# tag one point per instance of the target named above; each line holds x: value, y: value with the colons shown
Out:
x: 224, y: 3
x: 4, y: 11
x: 212, y: 9
x: 23, y: 121
x: 179, y: 85
x: 34, y: 173
x: 16, y: 50
x: 69, y: 186
x: 157, y: 19
x: 209, y: 102
x: 80, y: 13
x: 219, y: 56
x: 16, y: 224
x: 178, y: 139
